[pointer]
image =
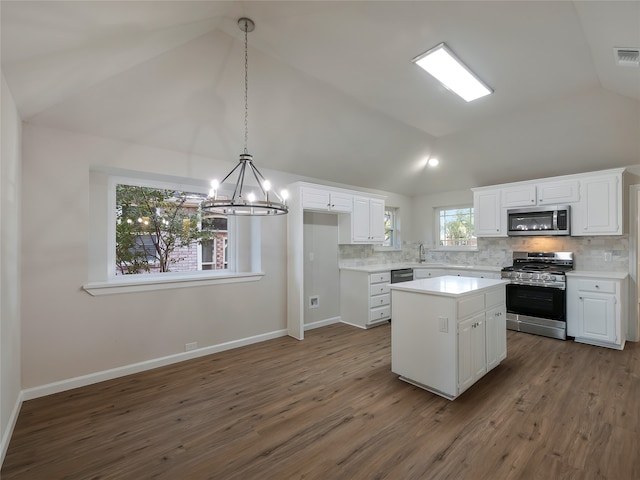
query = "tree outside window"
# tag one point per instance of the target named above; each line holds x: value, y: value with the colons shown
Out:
x: 158, y: 230
x: 390, y: 218
x: 456, y: 227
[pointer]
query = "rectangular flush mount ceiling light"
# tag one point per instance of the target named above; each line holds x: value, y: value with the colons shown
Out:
x: 441, y: 63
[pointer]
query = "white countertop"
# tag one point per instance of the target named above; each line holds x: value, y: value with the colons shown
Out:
x: 449, y: 285
x: 396, y: 266
x: 594, y: 274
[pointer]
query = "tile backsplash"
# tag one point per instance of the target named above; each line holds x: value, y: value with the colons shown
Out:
x: 588, y: 252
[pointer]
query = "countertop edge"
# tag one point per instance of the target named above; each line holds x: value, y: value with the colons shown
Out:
x: 425, y: 289
x: 397, y: 266
x: 595, y: 274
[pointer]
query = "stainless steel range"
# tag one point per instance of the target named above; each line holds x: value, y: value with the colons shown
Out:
x: 536, y: 294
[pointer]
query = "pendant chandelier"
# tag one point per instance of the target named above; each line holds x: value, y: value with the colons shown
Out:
x: 244, y: 201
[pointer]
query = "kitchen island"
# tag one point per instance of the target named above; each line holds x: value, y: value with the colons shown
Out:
x: 447, y: 332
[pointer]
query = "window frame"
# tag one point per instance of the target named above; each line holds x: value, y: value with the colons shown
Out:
x: 436, y: 223
x: 397, y: 242
x: 102, y: 277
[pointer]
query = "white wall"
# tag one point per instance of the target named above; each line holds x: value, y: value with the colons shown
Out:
x: 321, y: 275
x: 423, y: 208
x: 67, y: 333
x: 9, y: 266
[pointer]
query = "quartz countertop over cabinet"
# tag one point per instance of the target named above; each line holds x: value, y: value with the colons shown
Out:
x: 447, y: 332
x: 397, y: 266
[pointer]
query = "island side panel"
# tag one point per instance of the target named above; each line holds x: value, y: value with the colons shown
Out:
x: 420, y: 351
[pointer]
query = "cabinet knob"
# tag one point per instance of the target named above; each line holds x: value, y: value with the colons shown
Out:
x: 580, y: 298
x: 597, y: 286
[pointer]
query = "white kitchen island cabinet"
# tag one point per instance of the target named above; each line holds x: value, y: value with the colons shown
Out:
x: 447, y: 332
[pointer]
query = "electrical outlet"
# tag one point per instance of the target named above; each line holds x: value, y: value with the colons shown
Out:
x: 607, y: 256
x: 190, y: 346
x: 314, y: 302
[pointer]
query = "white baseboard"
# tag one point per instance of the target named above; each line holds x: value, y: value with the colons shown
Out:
x: 6, y: 437
x: 321, y: 323
x: 354, y: 325
x: 84, y: 380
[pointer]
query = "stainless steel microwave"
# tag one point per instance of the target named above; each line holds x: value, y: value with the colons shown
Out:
x: 542, y: 220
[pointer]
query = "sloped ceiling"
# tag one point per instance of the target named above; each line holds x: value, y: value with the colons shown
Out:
x: 332, y: 92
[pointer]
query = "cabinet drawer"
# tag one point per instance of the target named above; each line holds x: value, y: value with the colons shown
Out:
x: 384, y: 277
x: 497, y: 297
x: 379, y: 289
x: 471, y: 305
x: 380, y: 300
x: 380, y: 313
x: 428, y: 273
x: 603, y: 286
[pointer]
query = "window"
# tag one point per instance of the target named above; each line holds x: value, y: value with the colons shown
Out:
x: 163, y: 240
x: 389, y: 227
x: 455, y: 228
x: 214, y: 250
x: 162, y: 230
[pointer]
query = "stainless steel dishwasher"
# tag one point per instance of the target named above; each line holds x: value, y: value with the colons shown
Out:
x: 402, y: 275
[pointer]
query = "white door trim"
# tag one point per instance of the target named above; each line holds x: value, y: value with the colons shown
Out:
x: 633, y: 331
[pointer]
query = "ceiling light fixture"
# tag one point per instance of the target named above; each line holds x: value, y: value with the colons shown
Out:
x: 270, y: 203
x: 433, y: 162
x: 441, y: 63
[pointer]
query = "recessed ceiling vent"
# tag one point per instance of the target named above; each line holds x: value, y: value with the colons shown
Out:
x: 627, y: 57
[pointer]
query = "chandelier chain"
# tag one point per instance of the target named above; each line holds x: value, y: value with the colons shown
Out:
x: 246, y: 88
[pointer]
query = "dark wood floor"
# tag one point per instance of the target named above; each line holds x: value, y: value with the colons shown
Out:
x: 330, y: 408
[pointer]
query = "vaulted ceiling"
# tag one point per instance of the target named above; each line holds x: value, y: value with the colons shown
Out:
x: 332, y: 91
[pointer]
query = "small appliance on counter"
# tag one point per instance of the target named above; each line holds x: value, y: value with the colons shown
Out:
x: 536, y: 294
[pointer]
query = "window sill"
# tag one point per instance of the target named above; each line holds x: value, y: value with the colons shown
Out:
x: 125, y: 284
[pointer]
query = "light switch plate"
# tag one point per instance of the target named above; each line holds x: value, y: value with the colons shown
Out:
x: 443, y: 324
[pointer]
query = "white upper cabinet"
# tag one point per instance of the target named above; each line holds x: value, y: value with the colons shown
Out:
x: 519, y: 196
x: 367, y: 222
x: 326, y: 200
x: 599, y: 211
x: 595, y: 200
x: 488, y: 213
x: 562, y: 192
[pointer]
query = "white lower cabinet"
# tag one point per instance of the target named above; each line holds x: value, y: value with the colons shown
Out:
x: 472, y: 351
x: 365, y: 298
x: 419, y: 273
x: 445, y: 344
x: 596, y: 309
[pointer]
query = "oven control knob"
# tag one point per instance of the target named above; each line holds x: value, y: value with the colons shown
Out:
x: 527, y: 275
x: 546, y: 276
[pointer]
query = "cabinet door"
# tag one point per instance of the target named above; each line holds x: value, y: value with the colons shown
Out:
x: 471, y: 351
x: 315, y: 199
x: 341, y: 202
x: 496, y: 330
x: 521, y: 196
x: 599, y: 209
x: 597, y: 317
x: 558, y: 192
x: 360, y: 219
x: 376, y: 220
x: 487, y: 211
